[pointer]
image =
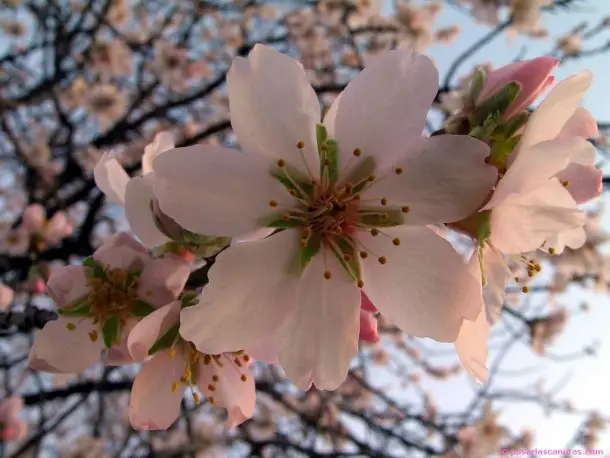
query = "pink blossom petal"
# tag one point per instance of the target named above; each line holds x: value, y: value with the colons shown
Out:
x: 34, y: 217
x: 163, y: 141
x: 111, y: 178
x: 265, y: 350
x: 494, y: 291
x: 154, y: 405
x: 585, y: 182
x: 319, y: 340
x: 581, y: 124
x: 138, y: 198
x: 534, y: 166
x: 556, y: 109
x: 436, y: 186
x: 233, y: 389
x: 10, y: 408
x: 382, y: 111
x: 67, y: 284
x: 243, y: 303
x: 163, y: 279
x: 412, y: 289
x: 195, y: 182
x: 523, y: 222
x: 273, y: 80
x: 68, y: 351
x: 368, y: 327
x: 366, y: 304
x: 120, y: 257
x: 574, y: 239
x: 150, y: 328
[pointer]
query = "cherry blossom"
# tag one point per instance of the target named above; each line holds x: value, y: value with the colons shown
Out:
x: 11, y: 427
x: 175, y: 365
x: 6, y: 296
x: 43, y: 230
x: 101, y: 301
x: 354, y: 217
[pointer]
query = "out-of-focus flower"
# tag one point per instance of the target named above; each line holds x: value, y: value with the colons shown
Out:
x: 11, y: 427
x: 570, y: 45
x: 545, y: 330
x: 484, y: 11
x: 45, y: 231
x: 105, y: 102
x: 112, y: 58
x: 526, y: 17
x: 6, y: 296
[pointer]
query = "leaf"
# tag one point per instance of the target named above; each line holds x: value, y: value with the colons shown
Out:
x: 389, y: 218
x: 142, y: 308
x: 342, y: 249
x: 165, y: 341
x: 311, y: 248
x: 79, y: 308
x: 111, y: 331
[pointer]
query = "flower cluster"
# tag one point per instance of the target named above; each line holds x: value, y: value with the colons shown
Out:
x: 319, y: 225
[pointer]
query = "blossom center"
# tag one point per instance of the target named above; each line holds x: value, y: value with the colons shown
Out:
x: 112, y: 294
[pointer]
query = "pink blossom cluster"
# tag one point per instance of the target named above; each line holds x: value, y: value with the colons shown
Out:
x: 320, y: 224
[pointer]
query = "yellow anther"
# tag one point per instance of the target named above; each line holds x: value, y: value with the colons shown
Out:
x: 538, y: 267
x: 327, y: 275
x: 70, y: 327
x: 215, y: 378
x: 195, y: 398
x: 293, y: 193
x: 237, y: 362
x: 517, y: 279
x: 382, y: 260
x: 93, y: 335
x: 300, y: 144
x: 174, y: 386
x: 244, y: 378
x: 207, y: 359
x: 405, y: 209
x: 525, y: 289
x: 396, y: 241
x: 552, y: 251
x: 347, y: 257
x: 399, y: 170
x: 363, y: 254
x: 211, y: 400
x: 357, y: 152
x: 211, y: 387
x: 281, y: 163
x: 384, y: 201
x: 374, y: 232
x: 273, y: 203
x: 172, y: 353
x: 360, y: 284
x: 246, y: 358
x: 327, y: 162
x: 566, y: 183
x: 371, y: 178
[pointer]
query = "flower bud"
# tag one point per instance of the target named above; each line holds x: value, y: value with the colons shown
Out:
x: 533, y: 76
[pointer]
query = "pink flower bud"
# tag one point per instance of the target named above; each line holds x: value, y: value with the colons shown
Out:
x: 368, y: 327
x: 534, y: 77
x: 38, y: 286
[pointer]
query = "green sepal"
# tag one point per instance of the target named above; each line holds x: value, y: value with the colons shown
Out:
x: 498, y: 103
x: 131, y: 279
x: 188, y: 299
x: 510, y: 128
x: 352, y: 266
x: 329, y: 151
x: 311, y: 248
x: 93, y: 268
x: 165, y: 341
x: 486, y: 130
x: 476, y: 86
x: 389, y: 218
x: 321, y: 137
x: 501, y: 151
x: 307, y: 188
x: 484, y: 226
x: 111, y: 331
x: 79, y: 308
x: 286, y: 224
x: 142, y: 308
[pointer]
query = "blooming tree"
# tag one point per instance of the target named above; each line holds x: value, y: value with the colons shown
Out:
x: 284, y: 212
